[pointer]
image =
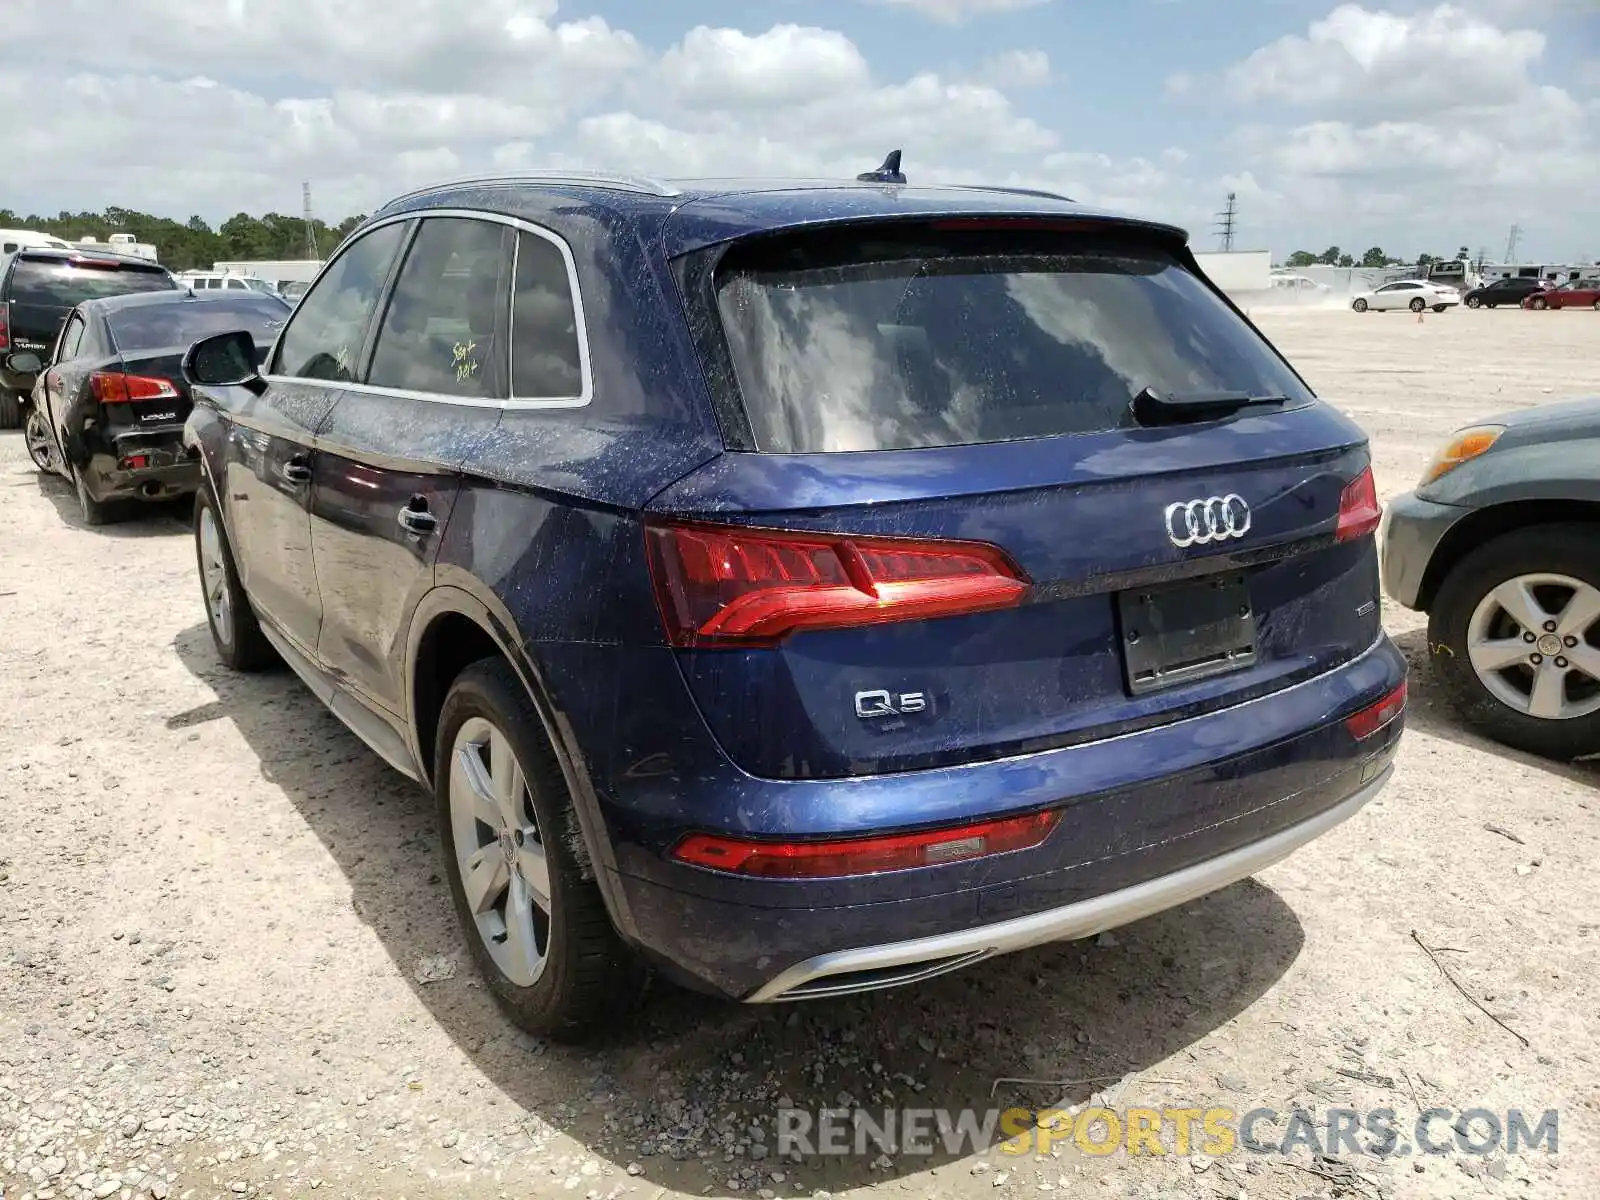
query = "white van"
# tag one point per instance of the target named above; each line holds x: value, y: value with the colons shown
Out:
x: 212, y: 281
x: 12, y: 240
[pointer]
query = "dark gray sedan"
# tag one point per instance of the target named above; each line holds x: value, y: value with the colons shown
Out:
x: 1500, y: 546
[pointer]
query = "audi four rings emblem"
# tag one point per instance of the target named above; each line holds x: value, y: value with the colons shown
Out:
x: 1211, y: 519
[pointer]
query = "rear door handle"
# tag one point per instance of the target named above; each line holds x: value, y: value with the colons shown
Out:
x: 418, y: 520
x: 296, y: 470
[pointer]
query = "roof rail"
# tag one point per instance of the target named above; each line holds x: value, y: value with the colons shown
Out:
x: 639, y: 184
x: 1015, y: 191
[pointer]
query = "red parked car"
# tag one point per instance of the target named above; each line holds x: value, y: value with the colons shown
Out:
x: 1580, y: 293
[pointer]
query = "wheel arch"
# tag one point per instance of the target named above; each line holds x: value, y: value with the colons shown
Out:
x: 1485, y: 524
x: 454, y: 626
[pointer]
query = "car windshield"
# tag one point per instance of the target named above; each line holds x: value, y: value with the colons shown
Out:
x: 878, y: 338
x: 157, y: 326
x: 58, y: 283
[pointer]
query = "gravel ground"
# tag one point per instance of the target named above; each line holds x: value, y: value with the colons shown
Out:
x: 215, y: 902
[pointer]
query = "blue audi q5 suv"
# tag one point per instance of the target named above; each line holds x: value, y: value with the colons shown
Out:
x: 799, y: 588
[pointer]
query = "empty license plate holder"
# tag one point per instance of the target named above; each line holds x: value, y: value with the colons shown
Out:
x: 1178, y: 633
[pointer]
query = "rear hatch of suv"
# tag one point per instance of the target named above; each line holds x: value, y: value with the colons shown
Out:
x: 44, y: 286
x: 996, y: 486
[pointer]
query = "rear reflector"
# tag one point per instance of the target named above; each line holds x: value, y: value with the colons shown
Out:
x: 113, y: 387
x: 135, y: 462
x: 1359, y: 511
x: 864, y: 856
x: 732, y: 585
x: 1373, y: 718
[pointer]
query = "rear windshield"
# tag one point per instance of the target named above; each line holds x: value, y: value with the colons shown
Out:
x: 887, y: 339
x: 59, y: 284
x: 153, y: 326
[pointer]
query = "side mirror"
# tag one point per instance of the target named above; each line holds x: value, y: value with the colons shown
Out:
x: 24, y: 362
x: 224, y: 360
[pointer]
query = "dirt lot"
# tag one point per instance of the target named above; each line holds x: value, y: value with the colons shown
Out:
x: 214, y: 902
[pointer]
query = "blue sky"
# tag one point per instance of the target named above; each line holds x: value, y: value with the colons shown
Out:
x: 1415, y: 126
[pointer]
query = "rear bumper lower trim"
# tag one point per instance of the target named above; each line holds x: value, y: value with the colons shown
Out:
x: 873, y: 967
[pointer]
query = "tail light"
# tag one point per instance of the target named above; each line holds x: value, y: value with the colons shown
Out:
x: 1359, y: 511
x: 5, y: 324
x: 727, y: 585
x: 113, y: 387
x: 864, y: 856
x: 1374, y: 717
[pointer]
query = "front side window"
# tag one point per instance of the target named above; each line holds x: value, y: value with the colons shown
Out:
x: 444, y: 331
x: 892, y: 337
x: 324, y: 338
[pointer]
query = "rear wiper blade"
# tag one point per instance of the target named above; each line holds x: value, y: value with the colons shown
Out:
x: 1151, y: 407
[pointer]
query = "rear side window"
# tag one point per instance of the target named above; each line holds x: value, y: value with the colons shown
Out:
x: 71, y: 339
x: 546, y: 362
x: 324, y: 338
x: 444, y: 331
x: 153, y: 326
x: 888, y: 339
x: 61, y: 283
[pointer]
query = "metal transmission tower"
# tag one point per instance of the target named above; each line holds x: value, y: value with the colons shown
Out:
x: 1511, y: 243
x: 311, y: 229
x: 1225, y: 221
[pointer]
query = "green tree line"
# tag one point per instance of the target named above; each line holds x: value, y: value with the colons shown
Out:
x: 186, y: 245
x: 1375, y: 257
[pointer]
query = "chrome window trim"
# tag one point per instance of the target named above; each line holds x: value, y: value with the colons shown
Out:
x: 512, y: 401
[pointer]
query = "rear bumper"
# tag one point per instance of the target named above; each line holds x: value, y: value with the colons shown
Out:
x: 1411, y: 531
x: 168, y: 472
x: 869, y: 968
x: 1149, y: 820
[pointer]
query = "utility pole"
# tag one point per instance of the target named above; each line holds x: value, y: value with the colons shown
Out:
x: 1511, y: 243
x: 311, y: 229
x: 1225, y: 222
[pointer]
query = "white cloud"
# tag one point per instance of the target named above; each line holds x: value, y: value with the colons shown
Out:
x: 787, y: 64
x: 1356, y: 58
x: 1017, y: 68
x: 1393, y: 122
x: 953, y: 12
x: 1408, y: 115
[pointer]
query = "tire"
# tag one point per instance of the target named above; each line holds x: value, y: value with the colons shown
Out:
x: 1439, y: 308
x: 1359, y: 305
x: 94, y: 512
x: 1418, y: 304
x: 584, y: 977
x: 1571, y: 552
x: 1597, y: 306
x: 235, y: 632
x: 1474, y: 302
x: 10, y: 409
x: 1538, y: 302
x: 36, y: 435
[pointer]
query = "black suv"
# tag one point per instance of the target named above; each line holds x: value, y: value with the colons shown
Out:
x: 39, y: 287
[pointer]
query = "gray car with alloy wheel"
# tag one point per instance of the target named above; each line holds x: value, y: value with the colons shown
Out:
x: 1500, y: 546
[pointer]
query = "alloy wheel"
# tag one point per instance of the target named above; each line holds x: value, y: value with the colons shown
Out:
x: 1529, y: 642
x: 505, y: 875
x: 37, y: 436
x: 214, y: 576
